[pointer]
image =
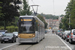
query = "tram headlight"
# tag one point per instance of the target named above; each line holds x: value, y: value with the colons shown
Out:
x: 33, y: 35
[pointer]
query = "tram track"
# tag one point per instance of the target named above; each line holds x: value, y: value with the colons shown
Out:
x: 31, y: 45
x: 24, y: 46
x: 28, y: 47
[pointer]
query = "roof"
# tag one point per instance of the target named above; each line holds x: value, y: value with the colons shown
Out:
x: 31, y: 16
x: 56, y: 20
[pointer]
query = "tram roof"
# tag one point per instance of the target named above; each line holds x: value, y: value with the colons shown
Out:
x: 27, y: 16
x: 32, y: 16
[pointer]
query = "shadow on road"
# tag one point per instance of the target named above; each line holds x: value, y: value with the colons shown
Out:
x: 31, y: 43
x: 27, y: 44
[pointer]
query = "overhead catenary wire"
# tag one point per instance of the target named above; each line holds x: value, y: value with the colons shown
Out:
x: 53, y: 14
x: 53, y: 8
x: 33, y: 2
x: 34, y: 6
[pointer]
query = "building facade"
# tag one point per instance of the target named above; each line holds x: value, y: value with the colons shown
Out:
x: 53, y: 23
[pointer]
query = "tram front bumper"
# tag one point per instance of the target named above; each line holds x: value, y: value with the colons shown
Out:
x: 28, y: 40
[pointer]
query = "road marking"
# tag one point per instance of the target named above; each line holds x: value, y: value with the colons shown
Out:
x: 8, y: 46
x: 64, y: 42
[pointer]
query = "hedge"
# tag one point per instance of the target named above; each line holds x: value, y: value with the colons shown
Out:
x: 10, y: 28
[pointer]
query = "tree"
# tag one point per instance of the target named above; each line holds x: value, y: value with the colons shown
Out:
x: 49, y: 16
x: 9, y: 12
x: 14, y: 23
x: 26, y: 9
x: 62, y: 15
x: 42, y: 19
x: 0, y: 9
x: 70, y: 13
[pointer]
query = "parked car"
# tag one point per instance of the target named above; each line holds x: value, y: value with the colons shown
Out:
x: 67, y: 37
x: 65, y: 34
x: 45, y: 31
x: 8, y: 37
x: 55, y: 32
x: 72, y: 36
x: 16, y: 34
x: 2, y: 32
x: 58, y: 32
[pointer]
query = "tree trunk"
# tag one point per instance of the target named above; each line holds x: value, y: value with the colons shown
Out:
x: 4, y: 25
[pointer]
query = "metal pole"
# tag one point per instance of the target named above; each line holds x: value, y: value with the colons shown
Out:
x: 53, y: 8
x: 69, y: 22
x: 35, y: 11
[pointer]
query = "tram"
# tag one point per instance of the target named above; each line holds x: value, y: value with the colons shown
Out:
x: 31, y: 29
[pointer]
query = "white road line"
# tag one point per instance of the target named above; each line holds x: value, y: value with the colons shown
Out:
x: 64, y: 42
x: 8, y: 46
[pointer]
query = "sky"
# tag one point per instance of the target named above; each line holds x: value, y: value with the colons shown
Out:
x: 55, y: 7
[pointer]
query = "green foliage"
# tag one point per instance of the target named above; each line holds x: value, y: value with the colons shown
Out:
x: 26, y: 9
x: 9, y: 12
x: 65, y: 22
x: 10, y: 28
x: 49, y: 16
x: 60, y: 25
x: 1, y: 9
x: 42, y: 19
x: 70, y: 12
x: 62, y: 15
x: 15, y: 21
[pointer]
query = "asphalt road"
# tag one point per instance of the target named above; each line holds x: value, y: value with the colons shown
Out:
x: 51, y: 42
x: 5, y: 45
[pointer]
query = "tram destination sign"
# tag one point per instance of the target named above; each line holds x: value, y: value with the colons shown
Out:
x: 26, y: 19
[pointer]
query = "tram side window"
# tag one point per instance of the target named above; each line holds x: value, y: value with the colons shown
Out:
x: 39, y: 27
x: 36, y: 27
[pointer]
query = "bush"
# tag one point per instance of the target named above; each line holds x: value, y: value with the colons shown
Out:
x: 10, y: 28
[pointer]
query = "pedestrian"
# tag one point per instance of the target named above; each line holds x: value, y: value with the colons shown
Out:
x: 53, y: 31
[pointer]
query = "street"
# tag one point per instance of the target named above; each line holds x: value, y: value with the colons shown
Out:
x: 37, y: 25
x: 51, y: 42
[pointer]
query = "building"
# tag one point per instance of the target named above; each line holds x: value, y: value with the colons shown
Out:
x: 52, y: 23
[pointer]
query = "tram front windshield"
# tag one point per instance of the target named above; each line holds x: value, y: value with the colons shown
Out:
x: 26, y: 27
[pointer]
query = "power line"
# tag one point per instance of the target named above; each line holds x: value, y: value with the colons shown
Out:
x: 33, y: 1
x: 53, y: 8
